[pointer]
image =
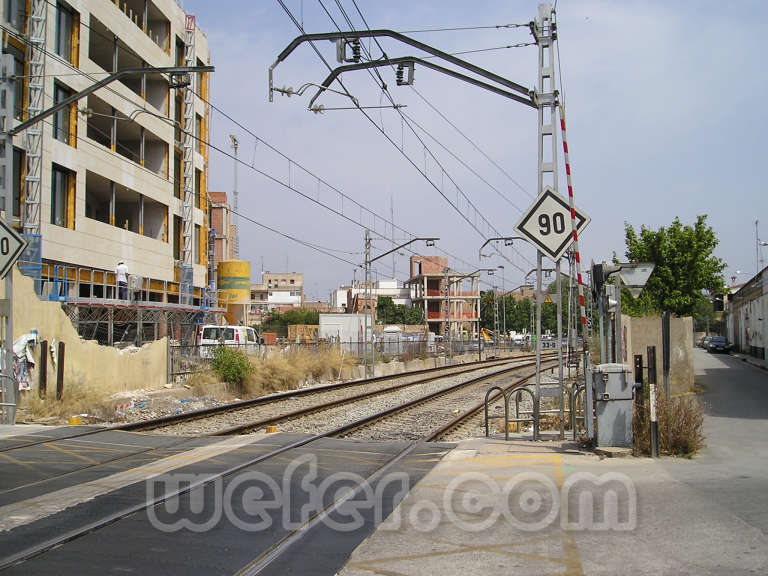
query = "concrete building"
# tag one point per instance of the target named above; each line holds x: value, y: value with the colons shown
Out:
x: 350, y: 298
x: 106, y: 183
x: 277, y: 290
x: 524, y: 293
x: 746, y: 317
x: 428, y: 292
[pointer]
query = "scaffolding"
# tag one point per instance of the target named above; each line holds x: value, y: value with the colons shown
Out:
x: 31, y: 259
x: 187, y: 271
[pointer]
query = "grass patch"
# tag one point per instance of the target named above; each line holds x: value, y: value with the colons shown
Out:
x: 680, y: 422
x: 286, y: 370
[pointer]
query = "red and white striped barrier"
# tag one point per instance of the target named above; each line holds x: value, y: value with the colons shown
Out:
x: 577, y: 255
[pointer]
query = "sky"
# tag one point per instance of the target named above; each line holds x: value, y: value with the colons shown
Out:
x: 665, y: 111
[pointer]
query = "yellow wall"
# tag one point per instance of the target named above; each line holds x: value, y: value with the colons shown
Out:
x: 86, y: 363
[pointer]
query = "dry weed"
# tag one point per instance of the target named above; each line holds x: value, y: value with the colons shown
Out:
x: 680, y: 424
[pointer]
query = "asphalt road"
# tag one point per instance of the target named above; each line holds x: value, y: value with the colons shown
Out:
x: 732, y: 469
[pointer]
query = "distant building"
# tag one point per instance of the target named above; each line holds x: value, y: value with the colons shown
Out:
x: 522, y: 293
x: 427, y: 285
x: 746, y: 317
x: 277, y: 291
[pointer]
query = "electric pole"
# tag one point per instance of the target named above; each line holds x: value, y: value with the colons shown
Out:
x: 235, y: 208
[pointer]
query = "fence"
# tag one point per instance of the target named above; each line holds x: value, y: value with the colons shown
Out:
x: 186, y: 359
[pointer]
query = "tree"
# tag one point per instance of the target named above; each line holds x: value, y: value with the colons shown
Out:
x: 387, y: 312
x: 685, y: 267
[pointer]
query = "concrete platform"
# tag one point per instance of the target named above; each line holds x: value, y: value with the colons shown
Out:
x: 524, y: 508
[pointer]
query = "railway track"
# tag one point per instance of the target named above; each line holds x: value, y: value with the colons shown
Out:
x: 379, y: 424
x: 338, y: 389
x: 250, y: 415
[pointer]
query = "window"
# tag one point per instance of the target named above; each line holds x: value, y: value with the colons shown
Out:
x: 18, y: 181
x: 197, y: 248
x: 177, y: 237
x: 62, y: 120
x: 63, y: 198
x: 16, y: 13
x: 293, y: 281
x: 198, y: 195
x: 199, y: 133
x: 177, y: 177
x: 64, y: 31
x: 18, y: 81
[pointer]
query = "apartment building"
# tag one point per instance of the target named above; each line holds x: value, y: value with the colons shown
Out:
x: 350, y: 298
x: 458, y: 309
x: 277, y: 290
x: 110, y: 173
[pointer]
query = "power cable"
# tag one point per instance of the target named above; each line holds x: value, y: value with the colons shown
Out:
x: 426, y: 149
x: 461, y: 28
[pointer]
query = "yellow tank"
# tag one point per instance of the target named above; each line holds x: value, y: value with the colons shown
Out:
x: 234, y: 282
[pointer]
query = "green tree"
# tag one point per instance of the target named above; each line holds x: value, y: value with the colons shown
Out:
x: 685, y: 267
x: 386, y: 312
x: 290, y: 317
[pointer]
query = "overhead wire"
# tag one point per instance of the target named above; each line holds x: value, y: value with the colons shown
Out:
x: 425, y: 147
x: 258, y: 139
x: 460, y: 28
x: 141, y: 106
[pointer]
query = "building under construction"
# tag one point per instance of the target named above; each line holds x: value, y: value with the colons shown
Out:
x: 450, y: 300
x: 118, y: 175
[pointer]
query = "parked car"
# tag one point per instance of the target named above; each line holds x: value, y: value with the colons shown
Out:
x: 704, y: 341
x: 718, y: 344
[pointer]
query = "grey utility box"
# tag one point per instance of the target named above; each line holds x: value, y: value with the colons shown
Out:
x: 614, y: 392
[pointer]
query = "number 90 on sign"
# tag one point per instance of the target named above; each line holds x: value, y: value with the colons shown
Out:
x: 549, y: 223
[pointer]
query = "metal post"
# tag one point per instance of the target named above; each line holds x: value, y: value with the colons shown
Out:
x: 665, y: 318
x: 601, y: 324
x: 589, y: 404
x: 652, y: 401
x: 504, y: 306
x: 546, y: 100
x: 538, y: 348
x: 60, y: 372
x: 618, y: 339
x: 447, y: 331
x: 479, y: 336
x: 43, y: 380
x: 367, y: 302
x: 235, y: 205
x: 560, y: 350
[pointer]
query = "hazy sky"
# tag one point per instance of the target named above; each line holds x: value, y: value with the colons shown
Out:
x: 666, y: 118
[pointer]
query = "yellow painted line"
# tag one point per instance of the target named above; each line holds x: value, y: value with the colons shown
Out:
x: 72, y: 453
x: 29, y: 465
x: 33, y: 509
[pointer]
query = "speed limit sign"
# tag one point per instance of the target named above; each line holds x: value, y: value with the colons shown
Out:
x: 547, y: 224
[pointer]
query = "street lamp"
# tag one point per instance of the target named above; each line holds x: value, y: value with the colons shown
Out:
x: 367, y: 305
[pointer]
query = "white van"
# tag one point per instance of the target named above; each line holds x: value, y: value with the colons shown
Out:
x: 241, y: 337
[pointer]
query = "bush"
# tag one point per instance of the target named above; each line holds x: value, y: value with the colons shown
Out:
x: 231, y: 365
x: 680, y: 426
